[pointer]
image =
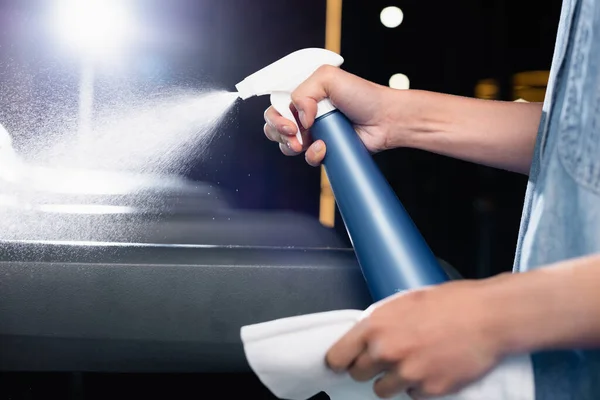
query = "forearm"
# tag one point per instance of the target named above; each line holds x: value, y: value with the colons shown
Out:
x: 557, y: 307
x: 493, y: 133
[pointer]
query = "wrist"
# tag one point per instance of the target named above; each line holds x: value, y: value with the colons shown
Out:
x: 499, y: 319
x: 414, y: 116
x: 526, y: 312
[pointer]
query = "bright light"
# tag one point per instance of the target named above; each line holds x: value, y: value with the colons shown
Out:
x: 96, y: 27
x: 391, y: 17
x: 399, y: 81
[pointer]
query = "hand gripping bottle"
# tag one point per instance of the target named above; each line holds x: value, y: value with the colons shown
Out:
x: 391, y: 251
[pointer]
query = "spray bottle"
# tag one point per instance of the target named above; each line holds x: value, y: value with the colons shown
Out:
x: 391, y: 251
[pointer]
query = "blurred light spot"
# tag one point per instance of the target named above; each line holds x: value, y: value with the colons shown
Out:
x: 399, y: 81
x: 93, y: 26
x: 391, y: 17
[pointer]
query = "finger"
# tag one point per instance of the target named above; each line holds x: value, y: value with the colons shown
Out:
x: 310, y: 92
x: 272, y: 134
x: 390, y: 385
x: 279, y: 123
x: 419, y: 394
x: 306, y: 139
x: 315, y: 153
x: 343, y: 353
x: 287, y: 149
x: 432, y: 391
x: 365, y: 368
x: 416, y: 394
x: 291, y: 145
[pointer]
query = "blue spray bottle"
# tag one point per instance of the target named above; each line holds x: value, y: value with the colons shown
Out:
x: 390, y: 249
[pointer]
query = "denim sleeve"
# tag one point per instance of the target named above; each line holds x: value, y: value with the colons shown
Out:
x: 567, y: 375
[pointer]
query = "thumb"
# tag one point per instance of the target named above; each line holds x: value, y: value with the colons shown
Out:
x: 316, y: 88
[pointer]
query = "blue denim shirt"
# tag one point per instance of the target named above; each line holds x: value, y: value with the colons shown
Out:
x: 561, y: 215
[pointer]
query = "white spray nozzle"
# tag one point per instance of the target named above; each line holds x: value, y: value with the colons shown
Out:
x: 282, y: 77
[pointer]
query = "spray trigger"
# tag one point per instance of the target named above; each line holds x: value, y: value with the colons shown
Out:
x: 281, y: 102
x: 282, y: 77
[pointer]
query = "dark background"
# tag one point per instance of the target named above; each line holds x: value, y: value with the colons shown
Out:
x: 468, y: 214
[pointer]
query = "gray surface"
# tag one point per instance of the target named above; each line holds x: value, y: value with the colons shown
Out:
x: 158, y: 309
x: 221, y: 228
x: 178, y: 307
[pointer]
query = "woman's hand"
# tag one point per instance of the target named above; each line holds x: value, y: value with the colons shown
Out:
x: 429, y: 342
x: 494, y: 133
x: 365, y: 103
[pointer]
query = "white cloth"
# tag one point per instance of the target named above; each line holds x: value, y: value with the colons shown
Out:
x: 288, y: 355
